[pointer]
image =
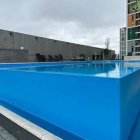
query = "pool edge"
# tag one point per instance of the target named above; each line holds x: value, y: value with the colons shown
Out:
x: 26, y: 125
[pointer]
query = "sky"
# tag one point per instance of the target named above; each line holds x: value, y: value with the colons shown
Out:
x: 87, y: 22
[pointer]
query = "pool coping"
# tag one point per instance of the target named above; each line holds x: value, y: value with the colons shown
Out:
x: 27, y: 126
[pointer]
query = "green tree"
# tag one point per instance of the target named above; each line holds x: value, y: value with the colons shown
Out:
x: 106, y: 54
x: 106, y: 50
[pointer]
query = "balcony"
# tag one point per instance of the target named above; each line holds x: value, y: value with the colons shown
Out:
x: 137, y: 16
x: 134, y: 7
x: 137, y: 43
x: 137, y: 22
x: 138, y: 30
x: 137, y: 49
x: 133, y: 10
x: 131, y: 1
x: 137, y: 39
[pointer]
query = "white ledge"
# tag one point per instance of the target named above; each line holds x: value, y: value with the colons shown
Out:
x: 27, y: 125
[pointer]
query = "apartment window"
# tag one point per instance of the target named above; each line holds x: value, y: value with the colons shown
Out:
x: 123, y: 53
x: 138, y: 22
x: 124, y: 48
x: 137, y: 15
x: 132, y: 17
x: 137, y: 42
x: 138, y: 29
x: 123, y: 39
x: 137, y: 49
x: 138, y: 36
x: 132, y: 48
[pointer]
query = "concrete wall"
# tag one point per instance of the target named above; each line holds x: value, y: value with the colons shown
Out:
x: 10, y: 55
x: 44, y: 46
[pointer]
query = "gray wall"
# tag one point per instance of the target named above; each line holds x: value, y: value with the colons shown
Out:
x: 33, y: 45
x: 10, y: 55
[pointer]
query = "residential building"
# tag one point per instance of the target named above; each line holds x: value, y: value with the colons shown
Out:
x: 122, y: 43
x: 133, y: 28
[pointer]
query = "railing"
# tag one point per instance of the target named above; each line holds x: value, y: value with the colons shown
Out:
x: 129, y: 1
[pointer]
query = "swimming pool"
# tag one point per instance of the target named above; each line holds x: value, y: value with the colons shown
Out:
x: 75, y: 100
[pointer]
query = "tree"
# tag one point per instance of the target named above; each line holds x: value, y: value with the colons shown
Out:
x: 106, y: 50
x: 107, y: 43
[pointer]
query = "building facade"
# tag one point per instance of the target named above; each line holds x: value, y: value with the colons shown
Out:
x: 133, y: 28
x: 14, y: 45
x: 122, y: 43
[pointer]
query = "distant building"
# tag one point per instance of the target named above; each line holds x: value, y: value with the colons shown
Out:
x: 18, y: 47
x: 122, y: 43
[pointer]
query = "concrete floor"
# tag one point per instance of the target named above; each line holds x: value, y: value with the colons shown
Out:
x: 20, y: 128
x: 5, y: 135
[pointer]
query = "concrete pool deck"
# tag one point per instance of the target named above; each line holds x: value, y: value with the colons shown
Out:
x: 5, y: 135
x: 20, y: 128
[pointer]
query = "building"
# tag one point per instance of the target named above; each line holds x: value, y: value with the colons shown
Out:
x: 122, y: 43
x: 18, y: 47
x: 133, y: 28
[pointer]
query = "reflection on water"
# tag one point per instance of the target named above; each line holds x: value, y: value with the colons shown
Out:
x: 101, y: 69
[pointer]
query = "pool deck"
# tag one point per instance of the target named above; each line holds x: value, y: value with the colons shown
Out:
x: 5, y: 135
x: 20, y: 128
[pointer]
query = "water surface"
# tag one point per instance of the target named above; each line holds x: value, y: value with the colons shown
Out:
x: 98, y: 69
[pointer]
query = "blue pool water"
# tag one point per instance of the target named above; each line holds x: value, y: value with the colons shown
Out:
x: 100, y: 69
x: 76, y: 100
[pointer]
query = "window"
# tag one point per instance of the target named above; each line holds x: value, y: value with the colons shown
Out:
x: 132, y: 48
x: 123, y: 39
x: 137, y: 49
x: 132, y: 17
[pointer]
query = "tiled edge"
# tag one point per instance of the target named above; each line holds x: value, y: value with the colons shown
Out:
x: 27, y: 125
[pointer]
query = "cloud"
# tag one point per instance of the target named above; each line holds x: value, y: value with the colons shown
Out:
x: 80, y: 21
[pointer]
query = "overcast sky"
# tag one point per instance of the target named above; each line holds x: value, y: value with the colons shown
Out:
x: 87, y: 22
